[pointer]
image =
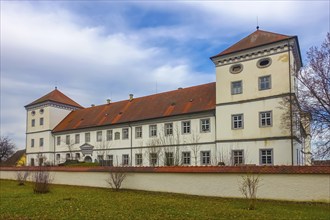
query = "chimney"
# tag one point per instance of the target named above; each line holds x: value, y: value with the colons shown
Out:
x: 108, y: 101
x: 92, y: 105
x: 131, y: 97
x: 179, y: 88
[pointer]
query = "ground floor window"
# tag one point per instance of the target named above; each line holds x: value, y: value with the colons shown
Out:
x: 125, y: 160
x: 238, y: 157
x: 153, y: 157
x: 32, y: 162
x: 77, y: 156
x: 205, y: 157
x: 110, y: 158
x: 186, y: 158
x: 58, y: 157
x: 169, y: 159
x: 138, y: 159
x: 266, y: 156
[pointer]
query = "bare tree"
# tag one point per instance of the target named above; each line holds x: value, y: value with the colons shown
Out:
x: 7, y: 148
x: 69, y: 144
x: 21, y: 177
x: 41, y: 180
x: 116, y: 176
x: 195, y: 147
x: 314, y: 94
x: 154, y: 151
x: 249, y: 187
x: 105, y: 147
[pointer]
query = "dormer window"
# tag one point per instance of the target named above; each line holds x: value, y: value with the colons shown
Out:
x: 236, y: 68
x: 41, y: 111
x: 265, y: 62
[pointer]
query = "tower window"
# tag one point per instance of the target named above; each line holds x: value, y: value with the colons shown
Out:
x: 237, y: 68
x: 41, y: 121
x: 236, y: 87
x: 265, y: 62
x: 264, y: 82
x: 33, y: 112
x: 41, y: 111
x: 237, y: 121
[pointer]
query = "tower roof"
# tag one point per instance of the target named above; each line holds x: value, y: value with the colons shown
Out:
x: 257, y: 38
x: 56, y: 96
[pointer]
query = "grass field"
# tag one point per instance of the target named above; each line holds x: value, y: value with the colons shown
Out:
x: 72, y: 202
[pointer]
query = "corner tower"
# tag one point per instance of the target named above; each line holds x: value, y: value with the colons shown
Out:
x: 42, y: 116
x: 253, y: 78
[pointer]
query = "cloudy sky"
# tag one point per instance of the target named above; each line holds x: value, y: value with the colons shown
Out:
x: 97, y: 50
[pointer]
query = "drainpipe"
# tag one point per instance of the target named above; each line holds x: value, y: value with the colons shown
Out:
x: 131, y: 137
x: 291, y: 111
x: 54, y: 149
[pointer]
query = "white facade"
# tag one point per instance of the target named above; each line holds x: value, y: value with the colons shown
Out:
x: 245, y: 127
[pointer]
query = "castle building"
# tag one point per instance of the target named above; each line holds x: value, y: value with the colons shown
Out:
x: 247, y: 116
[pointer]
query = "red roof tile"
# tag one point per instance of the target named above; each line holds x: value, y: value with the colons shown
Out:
x: 182, y: 101
x: 56, y: 96
x: 257, y: 38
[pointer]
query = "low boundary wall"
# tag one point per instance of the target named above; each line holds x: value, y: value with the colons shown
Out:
x: 296, y: 183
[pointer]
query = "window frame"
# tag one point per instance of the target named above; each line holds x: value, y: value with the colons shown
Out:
x: 263, y: 59
x: 186, y: 157
x: 270, y: 119
x: 41, y: 121
x: 238, y: 157
x: 117, y: 135
x: 32, y: 142
x: 41, y: 142
x: 138, y: 159
x: 109, y: 135
x: 77, y: 138
x: 67, y: 139
x: 153, y: 130
x: 153, y: 159
x: 201, y: 125
x: 261, y: 156
x: 125, y: 133
x: 99, y: 135
x: 233, y: 121
x: 205, y: 157
x: 33, y: 122
x: 110, y: 158
x: 260, y: 82
x: 186, y: 128
x: 125, y: 159
x: 77, y: 155
x: 169, y: 159
x: 234, y: 89
x: 87, y: 137
x: 58, y: 140
x: 138, y: 132
x: 168, y: 129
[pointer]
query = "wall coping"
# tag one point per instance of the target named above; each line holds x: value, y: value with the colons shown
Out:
x: 187, y: 169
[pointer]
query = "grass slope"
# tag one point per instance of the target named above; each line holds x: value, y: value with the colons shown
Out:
x: 73, y: 202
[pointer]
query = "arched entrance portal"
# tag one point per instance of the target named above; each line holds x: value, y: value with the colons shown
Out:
x: 88, y: 159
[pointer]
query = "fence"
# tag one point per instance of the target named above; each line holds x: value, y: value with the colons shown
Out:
x: 296, y: 183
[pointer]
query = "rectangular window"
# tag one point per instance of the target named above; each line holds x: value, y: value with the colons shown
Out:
x: 77, y: 139
x: 41, y: 142
x: 238, y: 157
x: 87, y: 137
x: 125, y: 160
x: 77, y: 156
x: 67, y: 156
x: 58, y: 157
x: 32, y: 142
x: 168, y: 129
x: 236, y: 87
x: 169, y: 159
x: 100, y: 157
x: 33, y: 122
x: 41, y: 121
x: 32, y: 162
x: 125, y: 133
x: 117, y: 135
x: 109, y: 135
x: 205, y: 157
x: 237, y: 121
x: 205, y: 125
x: 99, y: 136
x: 186, y: 158
x: 138, y: 132
x: 58, y: 140
x: 266, y: 156
x: 153, y: 157
x: 265, y: 119
x: 110, y: 159
x: 153, y: 130
x: 264, y: 82
x: 186, y: 127
x: 67, y: 139
x: 138, y: 159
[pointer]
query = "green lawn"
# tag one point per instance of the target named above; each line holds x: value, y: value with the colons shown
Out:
x: 72, y: 202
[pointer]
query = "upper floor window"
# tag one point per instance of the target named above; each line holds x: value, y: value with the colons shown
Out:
x: 186, y: 127
x: 265, y: 119
x: 41, y: 142
x: 237, y: 121
x: 186, y: 158
x: 41, y: 111
x: 32, y: 142
x: 238, y: 157
x: 117, y: 135
x: 125, y: 160
x: 99, y: 136
x: 77, y: 139
x: 125, y: 133
x: 33, y: 122
x: 33, y: 113
x: 266, y: 156
x: 109, y: 135
x: 236, y: 87
x: 67, y: 139
x: 87, y: 137
x: 205, y: 157
x: 168, y: 129
x: 264, y: 82
x: 58, y: 140
x: 264, y: 62
x: 138, y: 132
x: 41, y: 121
x: 153, y: 130
x: 205, y: 125
x: 236, y: 68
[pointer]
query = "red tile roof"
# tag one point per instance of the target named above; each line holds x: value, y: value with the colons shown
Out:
x: 182, y: 101
x: 56, y: 96
x: 257, y: 38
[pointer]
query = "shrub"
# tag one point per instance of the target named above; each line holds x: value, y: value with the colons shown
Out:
x: 41, y: 180
x: 117, y: 176
x: 249, y: 187
x: 21, y: 177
